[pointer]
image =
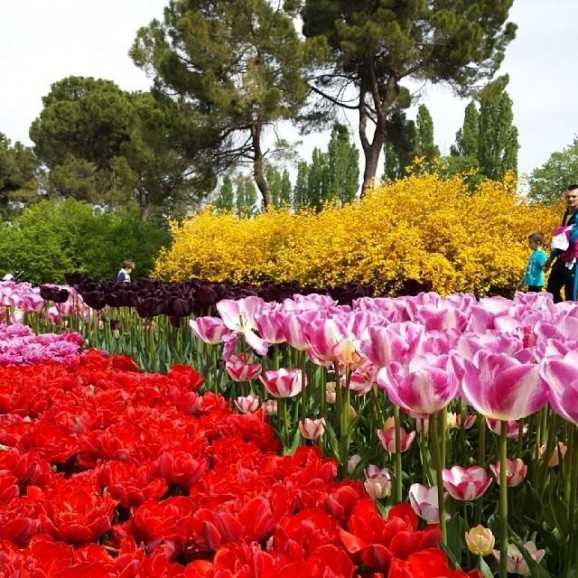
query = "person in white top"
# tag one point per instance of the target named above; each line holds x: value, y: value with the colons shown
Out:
x: 126, y: 269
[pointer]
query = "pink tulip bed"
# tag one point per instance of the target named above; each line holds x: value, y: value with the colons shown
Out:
x: 412, y: 436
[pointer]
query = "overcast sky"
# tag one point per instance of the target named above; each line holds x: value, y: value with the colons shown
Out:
x: 43, y: 41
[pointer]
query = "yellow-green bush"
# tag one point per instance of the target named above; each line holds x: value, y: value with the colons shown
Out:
x: 422, y: 227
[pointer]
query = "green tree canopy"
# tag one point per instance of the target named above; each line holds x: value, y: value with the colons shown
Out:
x: 111, y: 147
x: 54, y: 237
x: 365, y: 50
x: 237, y: 63
x: 18, y: 172
x: 498, y: 136
x: 560, y: 170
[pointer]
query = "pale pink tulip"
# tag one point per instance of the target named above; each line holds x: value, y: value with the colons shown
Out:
x: 377, y: 482
x: 270, y: 407
x: 516, y: 562
x: 239, y: 367
x: 311, y: 429
x: 387, y: 439
x: 561, y: 375
x: 239, y: 316
x: 209, y: 329
x: 283, y: 382
x: 247, y: 404
x: 500, y: 387
x: 424, y: 502
x: 515, y: 474
x: 466, y: 484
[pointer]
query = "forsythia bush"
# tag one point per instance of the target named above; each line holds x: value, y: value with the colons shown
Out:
x: 423, y: 227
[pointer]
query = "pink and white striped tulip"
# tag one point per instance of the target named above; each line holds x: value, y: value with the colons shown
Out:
x: 311, y: 429
x: 271, y: 326
x: 283, y: 382
x: 425, y: 388
x: 239, y: 367
x: 512, y: 427
x: 270, y: 407
x: 387, y: 439
x: 561, y: 375
x: 396, y: 342
x: 516, y: 562
x: 500, y: 387
x: 424, y: 502
x: 515, y: 474
x: 466, y: 484
x: 247, y: 404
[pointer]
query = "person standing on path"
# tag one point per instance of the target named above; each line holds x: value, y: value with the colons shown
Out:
x: 534, y: 274
x: 563, y: 261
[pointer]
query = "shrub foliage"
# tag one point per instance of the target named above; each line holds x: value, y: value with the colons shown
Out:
x: 423, y: 227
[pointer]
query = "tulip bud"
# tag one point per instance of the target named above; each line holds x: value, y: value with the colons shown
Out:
x: 247, y: 404
x: 270, y: 407
x: 555, y: 455
x: 480, y: 541
x: 311, y: 429
x: 352, y: 463
x: 378, y: 488
x: 330, y: 394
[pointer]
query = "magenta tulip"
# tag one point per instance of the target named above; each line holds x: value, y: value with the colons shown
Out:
x: 466, y: 483
x: 500, y: 387
x: 425, y: 388
x: 561, y: 375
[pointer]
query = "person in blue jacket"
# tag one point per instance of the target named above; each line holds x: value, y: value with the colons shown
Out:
x: 534, y: 275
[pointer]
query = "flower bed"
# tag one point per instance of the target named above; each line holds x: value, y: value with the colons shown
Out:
x: 108, y: 471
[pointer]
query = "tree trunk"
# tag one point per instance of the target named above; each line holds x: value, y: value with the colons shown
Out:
x: 258, y: 161
x: 380, y: 103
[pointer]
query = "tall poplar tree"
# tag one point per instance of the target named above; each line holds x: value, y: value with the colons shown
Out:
x: 498, y: 136
x: 365, y: 50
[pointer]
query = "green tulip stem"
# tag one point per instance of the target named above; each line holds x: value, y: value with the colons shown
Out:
x: 397, y: 465
x: 437, y: 458
x: 323, y: 392
x: 344, y: 421
x: 302, y: 364
x: 503, y: 443
x: 283, y: 421
x: 572, y: 453
x: 442, y: 426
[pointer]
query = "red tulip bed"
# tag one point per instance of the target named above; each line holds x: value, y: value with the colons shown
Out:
x: 108, y: 471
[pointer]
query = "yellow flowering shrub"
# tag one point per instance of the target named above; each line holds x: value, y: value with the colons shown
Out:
x: 423, y: 227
